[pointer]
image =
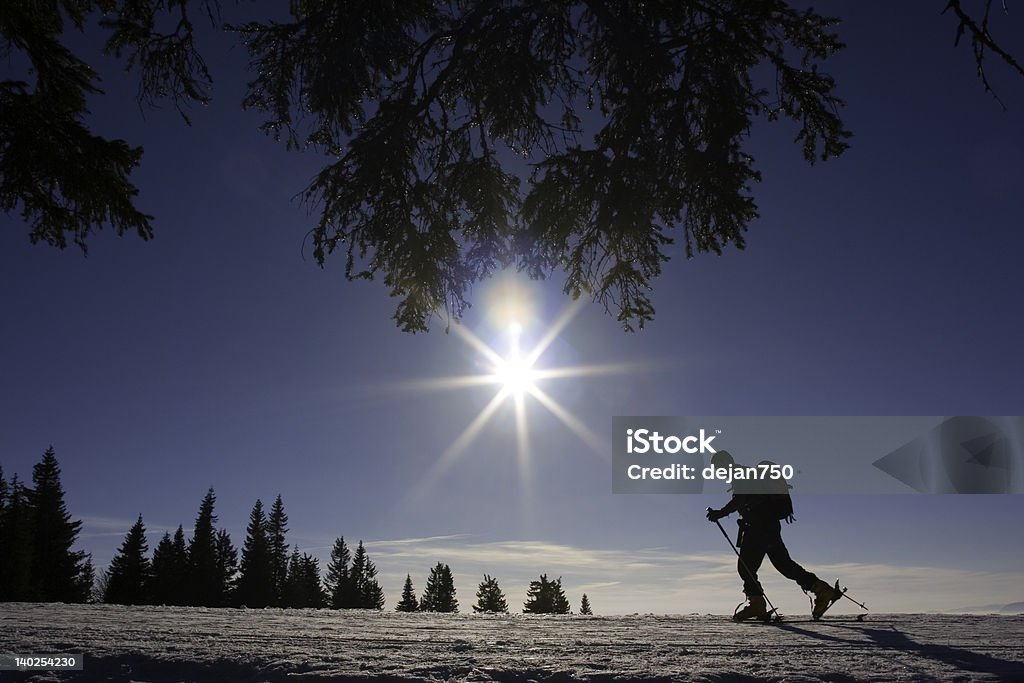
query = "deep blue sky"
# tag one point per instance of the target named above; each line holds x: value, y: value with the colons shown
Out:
x: 886, y: 282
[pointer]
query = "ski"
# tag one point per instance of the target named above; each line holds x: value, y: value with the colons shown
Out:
x: 856, y: 619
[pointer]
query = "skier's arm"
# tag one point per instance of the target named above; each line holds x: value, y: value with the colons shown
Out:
x: 732, y: 506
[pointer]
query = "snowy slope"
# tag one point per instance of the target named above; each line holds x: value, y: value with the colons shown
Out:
x: 160, y: 645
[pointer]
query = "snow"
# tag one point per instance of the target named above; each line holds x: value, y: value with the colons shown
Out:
x: 165, y: 644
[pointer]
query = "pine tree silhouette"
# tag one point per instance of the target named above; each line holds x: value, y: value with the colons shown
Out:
x: 439, y: 593
x: 489, y: 597
x: 16, y: 544
x: 204, y: 579
x: 227, y: 568
x: 302, y: 586
x: 585, y: 605
x: 408, y: 603
x: 59, y: 574
x: 129, y: 577
x: 546, y: 597
x: 256, y: 581
x: 340, y: 587
x: 363, y: 577
x: 277, y: 527
x: 170, y: 570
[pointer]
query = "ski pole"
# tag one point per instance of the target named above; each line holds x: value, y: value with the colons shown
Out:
x: 744, y: 565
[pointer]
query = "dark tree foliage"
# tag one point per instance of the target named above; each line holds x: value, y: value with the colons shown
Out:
x: 16, y: 545
x: 227, y: 567
x: 982, y: 41
x: 204, y: 583
x: 129, y: 577
x: 277, y: 528
x: 489, y: 597
x: 585, y: 605
x: 256, y: 581
x: 439, y: 593
x: 408, y: 603
x: 546, y: 597
x: 302, y: 587
x: 463, y: 136
x: 363, y: 576
x: 632, y: 117
x: 63, y: 180
x: 355, y: 585
x: 170, y: 570
x: 59, y: 574
x: 339, y: 585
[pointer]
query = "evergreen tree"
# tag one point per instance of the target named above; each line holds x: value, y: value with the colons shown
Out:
x: 439, y: 593
x: 16, y: 544
x: 227, y: 568
x: 204, y: 580
x: 489, y: 597
x: 372, y: 595
x: 363, y: 582
x: 340, y: 586
x: 59, y: 574
x: 277, y: 527
x: 129, y: 576
x: 408, y: 603
x: 87, y: 580
x: 170, y: 570
x: 585, y: 605
x: 256, y: 583
x: 302, y: 587
x: 546, y: 597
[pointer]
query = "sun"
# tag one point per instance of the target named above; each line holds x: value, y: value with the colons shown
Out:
x: 513, y: 363
x: 514, y: 373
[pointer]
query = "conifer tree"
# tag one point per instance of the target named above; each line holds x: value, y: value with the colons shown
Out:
x: 3, y: 496
x: 16, y: 545
x: 408, y: 603
x: 439, y: 593
x: 87, y: 580
x: 204, y: 576
x: 585, y: 605
x: 227, y: 568
x: 362, y: 579
x: 357, y: 574
x: 130, y: 574
x: 489, y: 597
x: 256, y: 582
x: 277, y: 528
x: 169, y: 570
x: 372, y: 595
x: 340, y: 588
x: 546, y: 597
x: 302, y: 587
x: 59, y: 574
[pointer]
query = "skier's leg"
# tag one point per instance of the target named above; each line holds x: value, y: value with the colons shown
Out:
x: 824, y: 594
x: 779, y: 556
x: 751, y: 556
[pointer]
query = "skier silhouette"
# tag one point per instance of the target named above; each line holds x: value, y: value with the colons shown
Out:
x: 761, y: 505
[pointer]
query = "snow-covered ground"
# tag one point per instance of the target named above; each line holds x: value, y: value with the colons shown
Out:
x: 161, y: 645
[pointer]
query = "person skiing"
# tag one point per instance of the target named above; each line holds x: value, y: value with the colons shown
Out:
x: 761, y: 506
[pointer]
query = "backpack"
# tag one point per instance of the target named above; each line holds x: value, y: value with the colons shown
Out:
x: 781, y: 506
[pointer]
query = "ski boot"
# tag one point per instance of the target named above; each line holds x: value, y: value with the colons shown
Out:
x: 824, y: 597
x: 756, y: 608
